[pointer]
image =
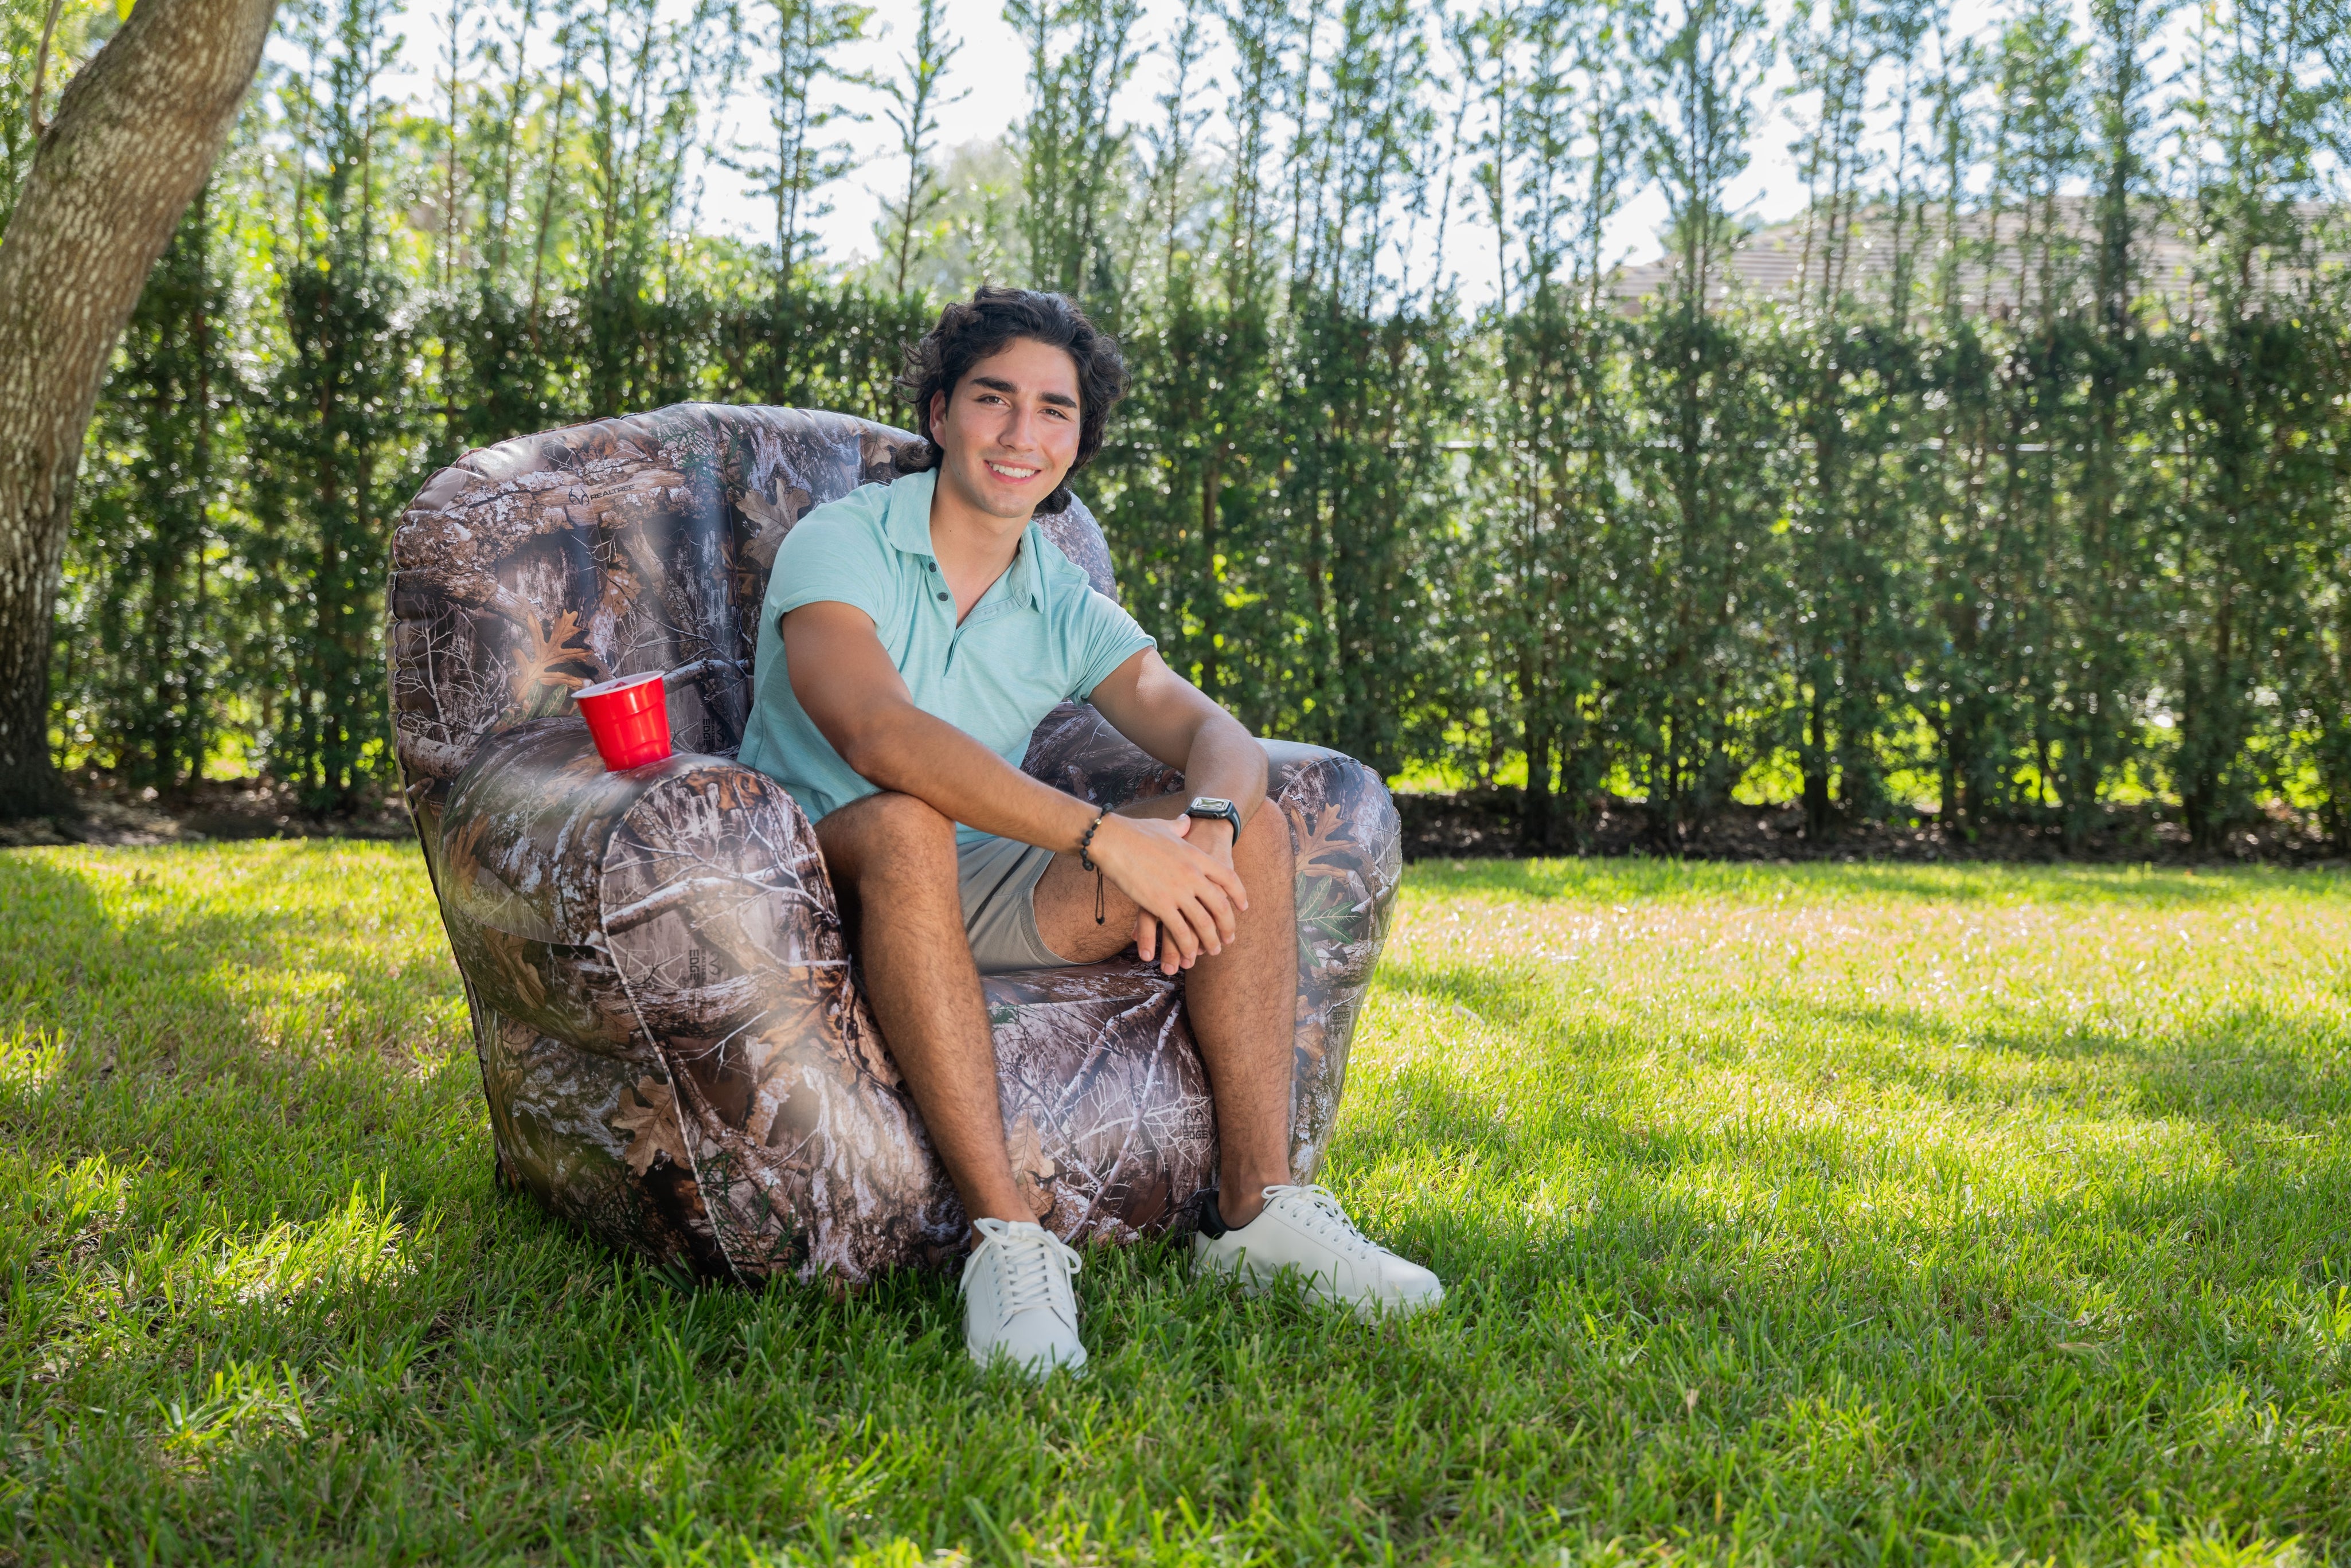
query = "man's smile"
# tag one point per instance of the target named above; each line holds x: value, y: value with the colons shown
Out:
x: 1015, y: 472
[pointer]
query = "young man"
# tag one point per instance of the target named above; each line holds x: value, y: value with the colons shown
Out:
x: 913, y: 635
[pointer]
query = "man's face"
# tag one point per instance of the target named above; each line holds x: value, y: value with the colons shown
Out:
x: 1008, y: 432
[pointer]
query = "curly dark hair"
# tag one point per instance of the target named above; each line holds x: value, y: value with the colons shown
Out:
x: 969, y: 331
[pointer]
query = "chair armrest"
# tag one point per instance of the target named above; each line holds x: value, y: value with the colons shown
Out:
x: 675, y: 922
x: 1350, y: 847
x: 518, y: 863
x: 1077, y: 752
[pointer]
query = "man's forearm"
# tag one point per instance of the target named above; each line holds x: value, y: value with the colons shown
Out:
x: 914, y: 754
x: 1226, y: 762
x: 911, y: 753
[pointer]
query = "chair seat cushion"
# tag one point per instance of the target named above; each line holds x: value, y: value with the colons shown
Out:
x: 1105, y: 1103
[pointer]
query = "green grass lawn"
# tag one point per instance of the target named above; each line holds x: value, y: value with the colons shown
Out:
x: 1819, y: 1214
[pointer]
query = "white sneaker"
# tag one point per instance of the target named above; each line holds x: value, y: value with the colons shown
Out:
x: 1303, y: 1229
x: 1017, y: 1301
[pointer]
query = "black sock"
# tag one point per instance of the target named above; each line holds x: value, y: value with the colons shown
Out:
x: 1212, y: 1219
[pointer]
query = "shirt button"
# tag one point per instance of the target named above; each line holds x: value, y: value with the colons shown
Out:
x: 942, y: 596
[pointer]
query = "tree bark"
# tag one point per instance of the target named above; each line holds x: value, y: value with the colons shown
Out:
x: 136, y: 132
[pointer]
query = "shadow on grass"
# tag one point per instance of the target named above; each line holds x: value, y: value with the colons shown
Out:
x: 2246, y: 1066
x: 226, y: 1041
x: 241, y: 1125
x: 1663, y: 1216
x: 1654, y: 1361
x: 1969, y: 1370
x: 260, y: 1293
x: 2243, y: 1065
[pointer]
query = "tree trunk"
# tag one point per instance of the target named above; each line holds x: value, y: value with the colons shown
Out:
x: 1815, y: 767
x: 136, y: 132
x: 1534, y: 803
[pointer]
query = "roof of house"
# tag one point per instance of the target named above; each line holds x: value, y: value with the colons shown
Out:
x: 2004, y: 259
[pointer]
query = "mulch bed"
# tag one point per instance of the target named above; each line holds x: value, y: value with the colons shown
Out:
x: 1472, y: 824
x: 1481, y: 823
x: 204, y: 812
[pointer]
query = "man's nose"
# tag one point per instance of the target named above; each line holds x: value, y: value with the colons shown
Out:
x: 1018, y: 427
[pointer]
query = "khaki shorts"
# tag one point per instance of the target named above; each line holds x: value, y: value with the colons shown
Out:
x: 998, y: 879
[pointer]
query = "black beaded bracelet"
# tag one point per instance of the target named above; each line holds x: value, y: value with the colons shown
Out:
x: 1086, y: 859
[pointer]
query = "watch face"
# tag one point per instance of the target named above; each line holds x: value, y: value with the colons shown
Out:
x: 1209, y: 805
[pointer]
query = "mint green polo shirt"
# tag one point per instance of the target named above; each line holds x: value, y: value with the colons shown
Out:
x: 1040, y: 636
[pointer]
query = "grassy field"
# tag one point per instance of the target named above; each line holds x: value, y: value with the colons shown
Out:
x: 1795, y: 1215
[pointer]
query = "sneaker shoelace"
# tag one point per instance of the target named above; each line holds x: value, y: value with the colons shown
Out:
x: 1027, y: 1259
x: 1316, y: 1210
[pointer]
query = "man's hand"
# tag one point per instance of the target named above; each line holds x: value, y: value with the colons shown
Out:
x: 1170, y: 719
x: 1186, y: 893
x: 1210, y: 836
x: 1179, y: 873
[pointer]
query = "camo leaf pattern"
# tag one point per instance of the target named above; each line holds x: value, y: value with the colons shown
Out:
x: 674, y: 1047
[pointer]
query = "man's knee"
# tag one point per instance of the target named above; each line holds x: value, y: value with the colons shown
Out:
x: 887, y: 834
x: 906, y: 814
x: 1266, y: 839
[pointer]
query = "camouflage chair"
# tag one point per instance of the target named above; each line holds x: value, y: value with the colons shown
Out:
x: 673, y: 1039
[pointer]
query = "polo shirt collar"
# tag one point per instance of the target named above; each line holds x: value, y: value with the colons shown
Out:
x: 909, y: 520
x: 1026, y: 580
x: 908, y: 526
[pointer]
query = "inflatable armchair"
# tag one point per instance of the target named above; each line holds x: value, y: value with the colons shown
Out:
x: 673, y: 1041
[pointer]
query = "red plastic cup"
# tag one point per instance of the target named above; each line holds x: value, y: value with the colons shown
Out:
x: 628, y: 719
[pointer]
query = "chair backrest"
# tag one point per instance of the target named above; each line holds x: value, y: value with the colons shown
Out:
x: 528, y: 569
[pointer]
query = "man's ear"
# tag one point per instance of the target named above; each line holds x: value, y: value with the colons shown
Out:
x: 938, y: 415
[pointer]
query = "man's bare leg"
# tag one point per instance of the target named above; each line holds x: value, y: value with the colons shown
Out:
x: 1243, y: 1002
x: 892, y: 852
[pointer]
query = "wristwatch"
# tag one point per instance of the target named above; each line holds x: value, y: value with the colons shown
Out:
x: 1223, y: 810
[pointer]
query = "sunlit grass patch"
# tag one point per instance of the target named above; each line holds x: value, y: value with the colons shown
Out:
x: 1792, y: 1215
